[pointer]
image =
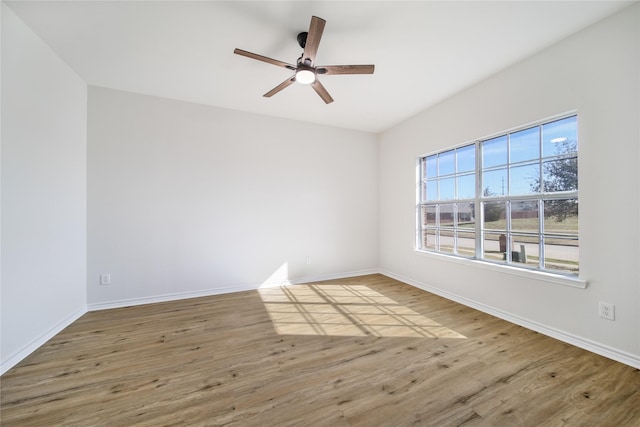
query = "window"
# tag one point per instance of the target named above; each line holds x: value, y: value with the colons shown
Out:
x: 511, y: 199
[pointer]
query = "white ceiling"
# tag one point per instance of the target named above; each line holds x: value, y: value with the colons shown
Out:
x: 424, y: 51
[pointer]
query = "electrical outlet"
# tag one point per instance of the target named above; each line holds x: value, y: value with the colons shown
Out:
x: 105, y: 279
x: 607, y: 311
x: 308, y: 260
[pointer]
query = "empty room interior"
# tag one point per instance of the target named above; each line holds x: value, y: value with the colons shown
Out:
x: 318, y: 213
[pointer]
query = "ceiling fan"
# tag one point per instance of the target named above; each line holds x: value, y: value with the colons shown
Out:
x: 306, y: 72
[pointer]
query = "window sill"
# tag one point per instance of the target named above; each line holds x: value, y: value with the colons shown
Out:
x: 544, y: 276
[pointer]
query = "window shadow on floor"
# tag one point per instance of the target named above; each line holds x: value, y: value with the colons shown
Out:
x: 345, y: 310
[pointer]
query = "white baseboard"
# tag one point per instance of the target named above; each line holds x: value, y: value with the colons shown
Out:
x: 36, y: 343
x: 166, y: 297
x: 346, y: 275
x: 219, y: 291
x: 592, y: 346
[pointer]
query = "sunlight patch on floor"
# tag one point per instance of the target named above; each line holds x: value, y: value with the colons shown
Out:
x: 345, y: 310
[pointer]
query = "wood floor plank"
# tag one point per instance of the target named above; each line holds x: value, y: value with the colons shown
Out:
x: 363, y: 351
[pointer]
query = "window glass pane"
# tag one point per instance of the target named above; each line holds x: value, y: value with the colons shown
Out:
x: 446, y: 215
x: 525, y: 216
x: 428, y: 215
x: 466, y: 215
x: 466, y: 186
x: 494, y: 183
x: 432, y: 166
x: 446, y: 241
x: 467, y: 243
x: 561, y: 254
x: 494, y: 216
x: 559, y: 137
x: 466, y: 158
x: 560, y: 175
x: 432, y: 190
x: 446, y: 163
x: 494, y: 152
x: 524, y: 145
x: 561, y: 216
x: 422, y: 216
x: 447, y: 189
x: 492, y: 248
x: 524, y: 179
x: 429, y: 239
x: 525, y: 250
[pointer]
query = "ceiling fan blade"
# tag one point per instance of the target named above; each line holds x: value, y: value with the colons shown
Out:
x: 317, y: 86
x: 263, y: 59
x: 346, y: 69
x: 280, y: 87
x: 313, y: 40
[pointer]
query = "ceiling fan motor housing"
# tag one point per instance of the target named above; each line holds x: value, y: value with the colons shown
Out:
x: 302, y: 39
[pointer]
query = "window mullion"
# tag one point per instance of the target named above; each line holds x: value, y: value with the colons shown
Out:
x: 509, y: 235
x: 420, y: 198
x: 541, y: 227
x: 478, y: 207
x: 455, y: 228
x: 437, y: 230
x: 541, y: 204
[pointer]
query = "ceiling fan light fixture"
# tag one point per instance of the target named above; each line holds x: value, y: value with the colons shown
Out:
x: 305, y: 76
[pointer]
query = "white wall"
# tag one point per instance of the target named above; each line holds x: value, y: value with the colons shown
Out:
x: 187, y: 199
x: 43, y: 250
x: 597, y: 73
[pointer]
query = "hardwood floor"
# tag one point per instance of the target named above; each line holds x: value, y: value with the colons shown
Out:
x: 365, y: 351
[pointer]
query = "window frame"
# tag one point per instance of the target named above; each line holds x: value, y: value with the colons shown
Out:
x: 540, y: 236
